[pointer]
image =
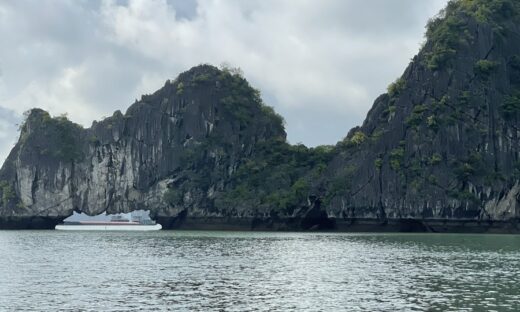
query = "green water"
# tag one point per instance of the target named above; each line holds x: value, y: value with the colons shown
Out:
x: 256, y: 271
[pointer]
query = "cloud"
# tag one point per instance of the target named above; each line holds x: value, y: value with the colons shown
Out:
x: 320, y: 63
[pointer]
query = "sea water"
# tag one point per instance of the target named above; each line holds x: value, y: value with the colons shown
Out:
x: 257, y: 271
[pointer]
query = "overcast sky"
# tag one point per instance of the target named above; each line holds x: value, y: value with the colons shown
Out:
x: 320, y: 63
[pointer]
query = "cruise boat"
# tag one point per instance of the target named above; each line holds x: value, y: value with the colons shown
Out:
x: 117, y: 223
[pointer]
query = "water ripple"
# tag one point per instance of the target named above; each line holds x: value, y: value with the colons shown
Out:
x: 248, y: 271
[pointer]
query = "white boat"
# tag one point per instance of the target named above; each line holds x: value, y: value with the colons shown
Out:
x: 116, y: 224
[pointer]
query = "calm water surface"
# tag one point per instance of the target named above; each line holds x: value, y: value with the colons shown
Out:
x: 255, y: 271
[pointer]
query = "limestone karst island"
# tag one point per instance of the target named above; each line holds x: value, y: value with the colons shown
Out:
x: 196, y: 195
x: 438, y: 152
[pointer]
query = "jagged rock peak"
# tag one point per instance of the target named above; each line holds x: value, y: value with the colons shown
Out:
x: 199, y: 126
x: 441, y: 145
x: 443, y: 141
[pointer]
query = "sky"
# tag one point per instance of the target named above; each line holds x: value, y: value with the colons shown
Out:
x: 319, y: 63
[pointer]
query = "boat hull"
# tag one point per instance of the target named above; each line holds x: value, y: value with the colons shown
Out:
x: 107, y: 227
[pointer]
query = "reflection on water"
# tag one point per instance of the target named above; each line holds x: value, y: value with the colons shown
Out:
x: 254, y: 271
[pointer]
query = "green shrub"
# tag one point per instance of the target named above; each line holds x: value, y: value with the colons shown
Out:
x: 201, y: 78
x: 376, y: 135
x: 435, y: 159
x: 340, y: 183
x: 416, y: 117
x: 180, y: 88
x: 378, y: 163
x: 65, y: 138
x: 358, y: 138
x: 277, y: 175
x: 435, y: 60
x: 484, y: 68
x: 464, y: 99
x: 446, y: 33
x: 432, y: 123
x: 243, y: 102
x: 464, y: 171
x: 491, y: 12
x: 272, y: 115
x: 234, y: 71
x: 396, y: 87
x: 396, y: 158
x: 473, y: 165
x: 7, y: 192
x: 300, y: 188
x: 511, y: 106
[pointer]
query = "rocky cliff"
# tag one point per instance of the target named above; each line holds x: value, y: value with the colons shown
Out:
x: 443, y: 142
x: 440, y: 148
x: 171, y: 151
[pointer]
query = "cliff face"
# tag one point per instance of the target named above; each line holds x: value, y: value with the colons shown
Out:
x: 442, y: 144
x: 170, y: 151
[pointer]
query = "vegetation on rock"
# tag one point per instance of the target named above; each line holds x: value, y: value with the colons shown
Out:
x: 443, y: 143
x: 7, y: 192
x: 62, y: 135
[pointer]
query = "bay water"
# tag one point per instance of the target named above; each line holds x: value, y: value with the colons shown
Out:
x: 257, y: 271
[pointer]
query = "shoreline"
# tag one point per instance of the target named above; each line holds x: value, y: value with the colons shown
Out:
x: 296, y: 224
x: 346, y: 225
